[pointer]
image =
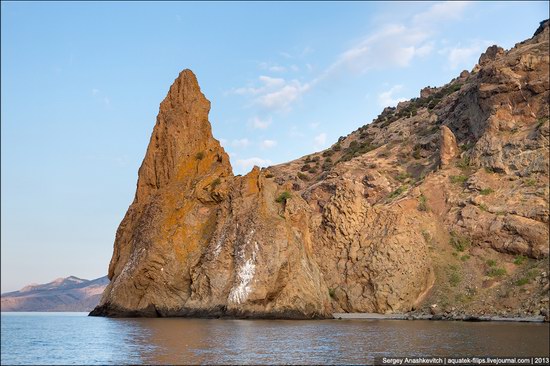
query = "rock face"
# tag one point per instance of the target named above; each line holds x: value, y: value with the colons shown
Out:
x: 372, y: 224
x: 63, y: 294
x: 448, y: 149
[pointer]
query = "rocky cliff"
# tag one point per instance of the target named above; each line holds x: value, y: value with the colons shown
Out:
x: 439, y: 204
x: 63, y: 294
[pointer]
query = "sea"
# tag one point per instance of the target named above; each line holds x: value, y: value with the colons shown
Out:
x: 75, y: 338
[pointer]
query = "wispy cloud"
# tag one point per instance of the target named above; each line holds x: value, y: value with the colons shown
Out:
x: 275, y: 94
x: 272, y: 67
x: 396, y: 45
x: 245, y: 165
x: 240, y: 143
x: 388, y: 98
x: 441, y: 12
x: 320, y: 140
x: 294, y: 132
x: 260, y: 123
x: 268, y: 144
x: 282, y: 97
x: 465, y: 56
x: 98, y: 95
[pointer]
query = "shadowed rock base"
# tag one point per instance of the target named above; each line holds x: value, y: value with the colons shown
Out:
x: 213, y: 313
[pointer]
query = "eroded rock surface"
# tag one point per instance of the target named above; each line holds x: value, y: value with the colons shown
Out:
x: 440, y: 201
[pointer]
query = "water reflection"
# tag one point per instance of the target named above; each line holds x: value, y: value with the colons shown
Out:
x: 216, y: 341
x: 68, y: 339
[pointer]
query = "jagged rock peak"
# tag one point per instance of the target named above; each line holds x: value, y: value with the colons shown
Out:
x: 182, y: 143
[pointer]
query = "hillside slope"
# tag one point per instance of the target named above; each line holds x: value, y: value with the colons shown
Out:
x: 439, y: 205
x: 63, y: 294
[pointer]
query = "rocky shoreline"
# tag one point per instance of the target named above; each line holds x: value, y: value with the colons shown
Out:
x: 449, y: 316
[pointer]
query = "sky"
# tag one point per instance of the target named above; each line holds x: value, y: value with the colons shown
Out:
x: 81, y: 84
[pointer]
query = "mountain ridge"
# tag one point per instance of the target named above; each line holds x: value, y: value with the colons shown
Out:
x: 62, y: 294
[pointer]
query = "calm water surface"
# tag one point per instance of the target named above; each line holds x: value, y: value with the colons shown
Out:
x: 74, y: 338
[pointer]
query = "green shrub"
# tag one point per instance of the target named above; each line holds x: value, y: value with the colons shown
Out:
x: 283, y: 197
x: 461, y: 179
x: 519, y: 259
x: 331, y: 292
x: 303, y: 176
x: 530, y: 182
x: 428, y: 238
x: 465, y: 257
x: 199, y: 155
x: 422, y: 204
x: 312, y: 170
x: 402, y: 176
x: 467, y: 146
x: 463, y: 163
x: 397, y: 192
x: 328, y: 153
x: 305, y: 167
x: 489, y: 169
x: 215, y: 183
x: 315, y: 159
x: 491, y: 262
x: 336, y: 147
x: 522, y: 281
x: 483, y: 207
x: 496, y: 272
x: 417, y: 152
x: 486, y: 191
x: 459, y: 242
x: 454, y: 279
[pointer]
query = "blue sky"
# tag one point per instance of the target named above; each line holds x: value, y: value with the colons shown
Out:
x: 82, y: 82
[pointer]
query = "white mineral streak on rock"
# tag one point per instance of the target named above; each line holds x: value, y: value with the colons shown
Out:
x: 239, y: 292
x: 219, y: 244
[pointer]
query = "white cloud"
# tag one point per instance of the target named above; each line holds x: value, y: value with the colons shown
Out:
x: 259, y: 123
x: 283, y: 96
x: 277, y: 68
x: 268, y: 144
x: 465, y: 56
x: 396, y: 45
x: 241, y: 143
x: 95, y: 92
x: 314, y: 125
x: 425, y: 49
x: 270, y: 82
x: 440, y: 12
x: 295, y: 132
x: 392, y: 46
x: 387, y: 98
x: 275, y: 93
x: 320, y: 140
x: 245, y: 165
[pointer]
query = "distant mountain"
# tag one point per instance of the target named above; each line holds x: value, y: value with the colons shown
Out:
x: 63, y: 294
